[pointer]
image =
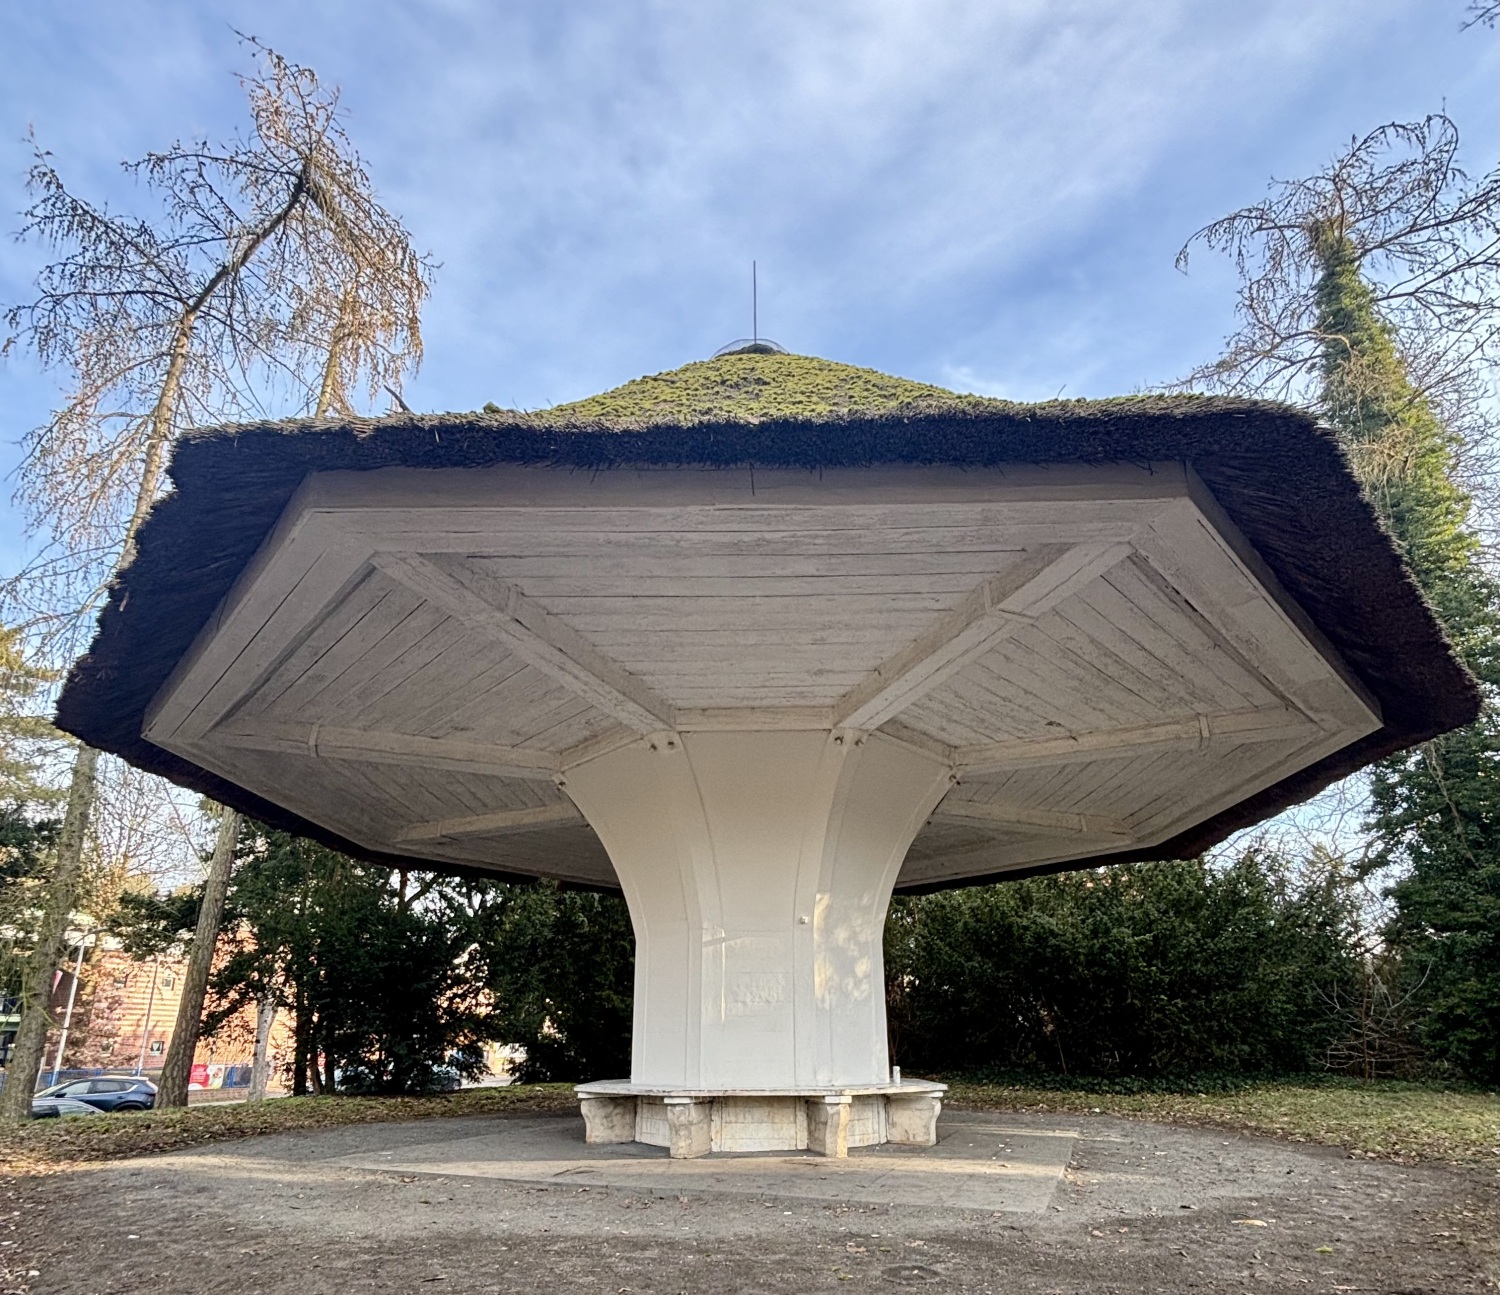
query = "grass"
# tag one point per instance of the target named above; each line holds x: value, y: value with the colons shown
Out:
x: 1384, y: 1119
x: 42, y: 1145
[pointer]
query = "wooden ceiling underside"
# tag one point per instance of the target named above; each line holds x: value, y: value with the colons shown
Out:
x: 415, y: 659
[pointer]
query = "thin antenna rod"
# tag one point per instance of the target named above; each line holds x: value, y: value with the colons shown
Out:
x: 754, y: 306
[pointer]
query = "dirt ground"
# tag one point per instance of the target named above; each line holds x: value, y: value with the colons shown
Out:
x: 1130, y: 1207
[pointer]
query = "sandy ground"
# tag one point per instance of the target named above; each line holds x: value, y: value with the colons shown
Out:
x: 1005, y: 1203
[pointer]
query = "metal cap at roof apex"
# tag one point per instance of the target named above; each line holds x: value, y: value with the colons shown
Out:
x: 751, y: 346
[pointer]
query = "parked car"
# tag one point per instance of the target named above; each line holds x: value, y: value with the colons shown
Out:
x: 53, y: 1108
x: 107, y: 1093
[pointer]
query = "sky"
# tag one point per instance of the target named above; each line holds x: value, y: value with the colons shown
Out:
x: 983, y: 194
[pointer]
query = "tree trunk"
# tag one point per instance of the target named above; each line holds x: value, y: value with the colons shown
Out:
x: 302, y: 1035
x: 330, y: 1073
x: 36, y: 1016
x: 260, y: 1071
x: 173, y: 1090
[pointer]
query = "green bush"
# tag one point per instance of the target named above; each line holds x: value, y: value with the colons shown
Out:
x: 1144, y: 970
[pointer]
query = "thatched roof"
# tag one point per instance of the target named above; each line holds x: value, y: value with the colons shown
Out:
x: 1280, y: 477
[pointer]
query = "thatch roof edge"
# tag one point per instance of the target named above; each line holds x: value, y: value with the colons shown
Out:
x: 1279, y: 476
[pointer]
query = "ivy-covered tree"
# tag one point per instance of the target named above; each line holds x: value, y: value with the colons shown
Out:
x: 1373, y: 285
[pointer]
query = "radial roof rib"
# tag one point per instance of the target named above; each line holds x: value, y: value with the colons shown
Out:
x: 503, y: 611
x: 1041, y: 579
x: 496, y: 824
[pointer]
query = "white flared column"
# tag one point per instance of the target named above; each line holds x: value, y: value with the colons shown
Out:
x: 758, y: 867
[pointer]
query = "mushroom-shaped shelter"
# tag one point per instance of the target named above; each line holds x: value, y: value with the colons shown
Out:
x: 757, y: 642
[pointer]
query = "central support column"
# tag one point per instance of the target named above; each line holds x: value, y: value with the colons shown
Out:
x: 758, y: 867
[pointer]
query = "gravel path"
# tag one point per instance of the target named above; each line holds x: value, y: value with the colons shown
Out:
x: 1129, y: 1207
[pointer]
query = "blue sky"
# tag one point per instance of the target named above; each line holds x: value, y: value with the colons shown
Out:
x: 987, y: 195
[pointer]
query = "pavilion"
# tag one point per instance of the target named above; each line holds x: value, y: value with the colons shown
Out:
x: 757, y: 642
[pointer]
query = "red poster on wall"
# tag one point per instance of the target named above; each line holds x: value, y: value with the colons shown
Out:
x: 198, y: 1076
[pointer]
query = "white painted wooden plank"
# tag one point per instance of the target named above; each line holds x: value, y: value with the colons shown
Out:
x: 1031, y: 585
x: 1077, y: 628
x: 551, y: 537
x: 1185, y: 549
x: 1267, y: 725
x: 438, y: 712
x: 279, y: 563
x: 362, y: 652
x: 458, y: 679
x: 543, y: 486
x: 678, y: 651
x: 710, y: 719
x: 1174, y: 634
x: 811, y: 608
x: 1028, y: 816
x: 1244, y: 772
x: 546, y: 730
x: 1229, y: 536
x: 534, y: 634
x: 370, y: 608
x: 612, y: 566
x: 1078, y: 699
x: 502, y: 821
x: 233, y: 661
x: 999, y: 516
x: 357, y: 697
x: 1013, y: 707
x: 334, y: 742
x: 1056, y: 635
x: 895, y: 626
x: 558, y: 593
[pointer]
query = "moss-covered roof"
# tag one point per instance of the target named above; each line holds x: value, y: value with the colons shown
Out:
x: 1280, y: 477
x: 756, y: 388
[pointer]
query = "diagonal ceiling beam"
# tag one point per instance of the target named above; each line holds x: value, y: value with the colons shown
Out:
x: 539, y: 638
x: 1004, y: 603
x: 502, y: 821
x: 1031, y: 819
x: 1270, y: 724
x: 335, y: 743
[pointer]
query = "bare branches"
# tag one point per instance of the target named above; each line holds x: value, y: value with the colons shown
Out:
x: 1482, y: 13
x: 1425, y: 238
x: 269, y: 278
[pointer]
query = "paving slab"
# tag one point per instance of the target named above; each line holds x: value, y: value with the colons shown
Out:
x: 980, y: 1162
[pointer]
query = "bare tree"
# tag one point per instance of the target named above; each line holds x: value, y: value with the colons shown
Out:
x: 177, y: 1067
x: 269, y: 277
x: 1427, y: 240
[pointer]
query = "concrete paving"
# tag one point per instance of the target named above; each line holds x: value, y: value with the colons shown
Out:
x: 981, y: 1162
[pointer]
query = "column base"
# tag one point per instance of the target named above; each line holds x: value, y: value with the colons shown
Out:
x: 692, y: 1122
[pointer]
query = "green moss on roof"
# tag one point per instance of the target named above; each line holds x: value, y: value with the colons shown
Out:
x: 757, y: 388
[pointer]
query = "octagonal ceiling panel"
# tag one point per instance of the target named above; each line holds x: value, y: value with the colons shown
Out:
x: 416, y: 659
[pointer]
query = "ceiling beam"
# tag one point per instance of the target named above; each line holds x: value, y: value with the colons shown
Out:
x: 502, y: 821
x: 1030, y: 819
x: 334, y: 743
x: 1040, y: 579
x: 1269, y: 724
x: 502, y: 611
